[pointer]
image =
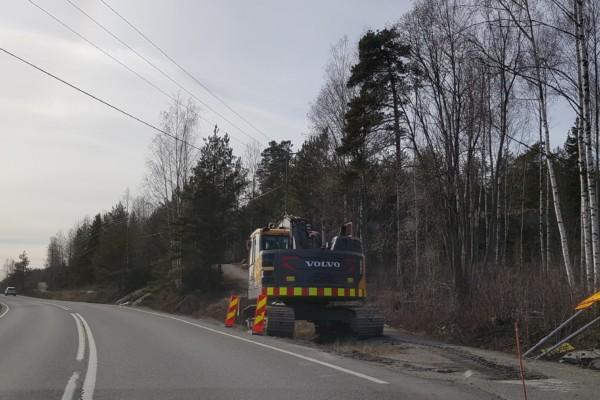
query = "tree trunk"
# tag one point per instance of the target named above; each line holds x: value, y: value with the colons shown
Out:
x: 564, y: 243
x: 507, y: 208
x: 397, y: 142
x: 399, y: 274
x: 416, y: 216
x: 522, y: 215
x: 587, y: 126
x: 585, y: 221
x: 596, y: 97
x: 587, y: 259
x: 541, y: 197
x: 547, y: 218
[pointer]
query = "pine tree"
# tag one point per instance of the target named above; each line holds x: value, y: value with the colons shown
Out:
x: 381, y: 73
x: 210, y: 210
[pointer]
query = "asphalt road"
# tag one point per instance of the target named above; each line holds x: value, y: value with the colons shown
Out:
x: 69, y: 350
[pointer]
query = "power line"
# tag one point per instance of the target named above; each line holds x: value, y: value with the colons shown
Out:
x: 264, y: 194
x: 82, y: 37
x: 73, y: 31
x: 163, y: 73
x: 189, y: 74
x: 106, y: 103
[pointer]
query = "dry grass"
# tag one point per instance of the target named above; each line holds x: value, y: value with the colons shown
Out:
x: 377, y: 349
x: 91, y: 295
x: 537, y: 301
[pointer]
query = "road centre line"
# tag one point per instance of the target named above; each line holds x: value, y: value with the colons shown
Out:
x: 289, y: 353
x: 90, y: 377
x: 6, y: 309
x: 54, y: 304
x: 81, y: 336
x: 89, y: 383
x: 71, y: 386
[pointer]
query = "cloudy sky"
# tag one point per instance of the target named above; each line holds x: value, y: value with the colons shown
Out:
x: 64, y: 156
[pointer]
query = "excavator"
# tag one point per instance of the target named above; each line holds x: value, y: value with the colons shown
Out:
x: 305, y: 279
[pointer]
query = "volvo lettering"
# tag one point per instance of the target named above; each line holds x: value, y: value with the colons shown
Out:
x: 322, y: 264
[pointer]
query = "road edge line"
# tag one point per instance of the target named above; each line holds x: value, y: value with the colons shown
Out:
x: 81, y: 336
x: 290, y: 353
x: 5, y: 311
x: 89, y: 383
x: 71, y: 386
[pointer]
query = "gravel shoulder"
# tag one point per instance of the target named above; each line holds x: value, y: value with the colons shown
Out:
x: 491, y: 371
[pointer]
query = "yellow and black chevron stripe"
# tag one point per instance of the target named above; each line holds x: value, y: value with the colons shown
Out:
x: 283, y: 291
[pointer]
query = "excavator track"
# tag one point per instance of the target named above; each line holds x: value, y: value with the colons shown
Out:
x: 280, y: 321
x: 367, y: 322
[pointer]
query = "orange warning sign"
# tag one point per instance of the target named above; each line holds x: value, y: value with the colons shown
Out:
x: 590, y: 301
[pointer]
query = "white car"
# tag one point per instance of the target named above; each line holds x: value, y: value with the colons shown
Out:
x: 11, y: 290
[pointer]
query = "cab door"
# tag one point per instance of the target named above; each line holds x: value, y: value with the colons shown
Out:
x: 254, y: 267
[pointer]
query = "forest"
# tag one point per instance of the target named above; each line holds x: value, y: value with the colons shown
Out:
x: 434, y: 135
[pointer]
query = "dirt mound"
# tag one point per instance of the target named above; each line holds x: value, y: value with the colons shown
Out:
x: 189, y: 304
x: 216, y: 310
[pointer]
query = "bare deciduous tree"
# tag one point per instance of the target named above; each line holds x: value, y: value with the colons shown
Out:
x: 251, y: 160
x: 521, y: 16
x: 328, y: 112
x: 170, y: 164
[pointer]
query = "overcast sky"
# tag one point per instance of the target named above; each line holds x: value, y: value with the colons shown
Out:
x: 64, y: 156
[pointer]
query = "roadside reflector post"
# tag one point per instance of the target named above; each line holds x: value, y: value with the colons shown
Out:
x: 232, y: 311
x: 258, y: 327
x: 521, y: 369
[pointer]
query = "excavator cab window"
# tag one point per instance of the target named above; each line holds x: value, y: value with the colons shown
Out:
x: 274, y: 242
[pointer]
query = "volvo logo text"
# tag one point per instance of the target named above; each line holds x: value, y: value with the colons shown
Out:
x: 323, y: 264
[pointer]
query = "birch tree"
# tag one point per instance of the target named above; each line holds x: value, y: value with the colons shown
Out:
x: 586, y: 118
x: 520, y: 13
x: 169, y: 167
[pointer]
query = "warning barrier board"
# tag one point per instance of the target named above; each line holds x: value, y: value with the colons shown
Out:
x: 232, y: 310
x: 258, y: 328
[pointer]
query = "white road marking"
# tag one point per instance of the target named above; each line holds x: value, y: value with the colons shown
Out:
x: 547, y: 385
x: 71, y: 386
x: 54, y: 304
x: 290, y: 353
x: 89, y: 383
x: 6, y: 308
x: 81, y: 335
